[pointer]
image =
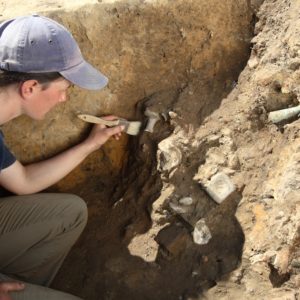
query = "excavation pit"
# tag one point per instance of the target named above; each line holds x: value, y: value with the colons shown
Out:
x: 179, y: 59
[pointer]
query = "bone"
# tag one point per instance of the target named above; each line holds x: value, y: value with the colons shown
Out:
x: 153, y: 118
x: 284, y: 114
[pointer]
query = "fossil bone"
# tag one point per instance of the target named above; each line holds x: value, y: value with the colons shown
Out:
x: 153, y: 118
x: 283, y: 114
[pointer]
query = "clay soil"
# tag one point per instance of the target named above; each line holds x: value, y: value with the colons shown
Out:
x: 138, y: 243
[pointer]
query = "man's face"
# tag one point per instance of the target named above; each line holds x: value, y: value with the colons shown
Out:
x: 45, y: 98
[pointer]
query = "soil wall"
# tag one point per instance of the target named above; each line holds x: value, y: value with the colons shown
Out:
x: 183, y: 60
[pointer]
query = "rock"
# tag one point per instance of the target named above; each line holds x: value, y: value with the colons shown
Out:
x: 181, y: 206
x: 201, y: 233
x: 281, y: 262
x: 186, y: 201
x: 168, y: 155
x: 296, y: 280
x: 253, y: 62
x: 179, y: 209
x: 173, y: 114
x: 295, y: 263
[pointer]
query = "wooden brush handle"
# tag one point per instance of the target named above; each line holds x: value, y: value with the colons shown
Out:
x: 96, y: 120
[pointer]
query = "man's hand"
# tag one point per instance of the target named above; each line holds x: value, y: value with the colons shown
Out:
x: 100, y: 134
x: 6, y: 287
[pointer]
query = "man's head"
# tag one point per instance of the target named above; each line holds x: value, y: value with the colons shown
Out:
x: 36, y: 44
x: 39, y: 61
x: 37, y: 93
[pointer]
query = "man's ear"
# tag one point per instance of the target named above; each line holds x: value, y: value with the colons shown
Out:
x: 28, y: 88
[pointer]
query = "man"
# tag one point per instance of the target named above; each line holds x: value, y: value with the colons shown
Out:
x: 39, y: 61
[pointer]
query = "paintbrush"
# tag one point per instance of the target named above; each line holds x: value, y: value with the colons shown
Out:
x: 131, y: 127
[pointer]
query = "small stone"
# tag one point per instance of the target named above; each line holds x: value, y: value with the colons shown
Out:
x: 169, y: 155
x: 280, y: 215
x: 281, y: 262
x: 285, y: 90
x: 226, y: 132
x: 253, y: 62
x: 213, y: 138
x: 201, y: 233
x: 297, y: 281
x: 186, y: 201
x: 173, y: 114
x: 195, y: 273
x: 294, y: 64
x: 179, y: 209
x: 295, y: 264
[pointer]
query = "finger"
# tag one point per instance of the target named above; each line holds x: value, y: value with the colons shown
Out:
x: 99, y: 126
x: 114, y: 130
x: 110, y: 118
x: 118, y: 136
x: 11, y: 286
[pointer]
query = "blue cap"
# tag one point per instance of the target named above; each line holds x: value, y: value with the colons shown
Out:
x: 36, y: 44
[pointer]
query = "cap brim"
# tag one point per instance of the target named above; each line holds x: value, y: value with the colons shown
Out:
x: 85, y: 76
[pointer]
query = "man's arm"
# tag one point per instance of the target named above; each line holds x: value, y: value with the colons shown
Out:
x: 35, y: 177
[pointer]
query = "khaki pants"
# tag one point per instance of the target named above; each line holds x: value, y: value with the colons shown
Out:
x: 36, y: 233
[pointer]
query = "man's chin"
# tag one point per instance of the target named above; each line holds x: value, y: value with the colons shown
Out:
x: 37, y: 118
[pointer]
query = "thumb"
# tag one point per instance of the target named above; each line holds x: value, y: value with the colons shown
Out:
x: 11, y: 286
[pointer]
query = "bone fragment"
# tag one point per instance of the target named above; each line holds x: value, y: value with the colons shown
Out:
x: 284, y: 114
x: 153, y: 118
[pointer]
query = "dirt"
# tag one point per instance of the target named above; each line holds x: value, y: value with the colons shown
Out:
x: 235, y: 62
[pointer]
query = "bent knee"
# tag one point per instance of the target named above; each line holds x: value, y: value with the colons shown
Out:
x: 78, y: 208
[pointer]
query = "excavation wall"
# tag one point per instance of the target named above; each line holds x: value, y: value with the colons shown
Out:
x: 182, y: 60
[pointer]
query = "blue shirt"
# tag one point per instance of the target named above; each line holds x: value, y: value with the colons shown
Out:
x: 6, y: 157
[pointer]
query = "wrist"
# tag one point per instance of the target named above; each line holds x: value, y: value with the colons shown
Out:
x: 88, y: 147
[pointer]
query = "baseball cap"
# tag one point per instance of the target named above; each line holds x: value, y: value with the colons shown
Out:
x: 37, y: 44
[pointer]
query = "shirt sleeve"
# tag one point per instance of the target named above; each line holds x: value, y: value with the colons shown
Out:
x: 6, y: 157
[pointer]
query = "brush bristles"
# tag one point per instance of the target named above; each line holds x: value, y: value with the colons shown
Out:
x: 132, y: 128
